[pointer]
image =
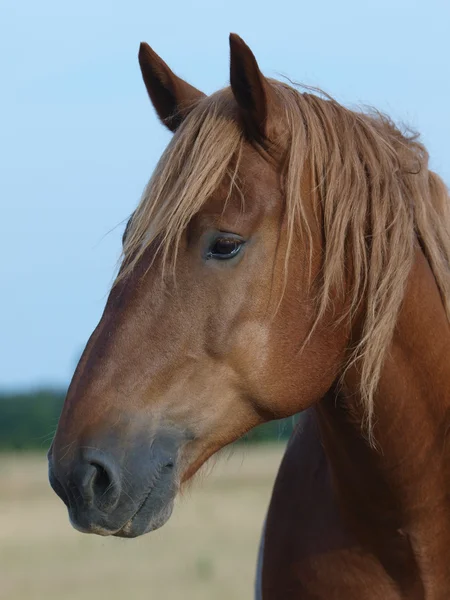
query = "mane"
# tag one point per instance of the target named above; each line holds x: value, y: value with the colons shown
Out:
x: 377, y: 200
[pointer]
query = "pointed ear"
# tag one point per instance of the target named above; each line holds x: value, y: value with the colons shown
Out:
x: 172, y: 97
x: 249, y: 87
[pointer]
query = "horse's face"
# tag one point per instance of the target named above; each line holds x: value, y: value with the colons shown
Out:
x: 179, y: 367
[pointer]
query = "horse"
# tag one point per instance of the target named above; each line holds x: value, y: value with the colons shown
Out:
x: 288, y: 254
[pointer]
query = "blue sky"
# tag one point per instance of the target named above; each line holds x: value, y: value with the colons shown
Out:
x: 79, y: 139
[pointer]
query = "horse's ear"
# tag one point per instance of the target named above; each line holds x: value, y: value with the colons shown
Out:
x: 249, y: 87
x: 172, y: 97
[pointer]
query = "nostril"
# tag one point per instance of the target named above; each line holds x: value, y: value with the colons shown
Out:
x: 97, y: 482
x: 101, y: 481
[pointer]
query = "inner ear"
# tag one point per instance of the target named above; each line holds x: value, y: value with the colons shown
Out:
x: 172, y: 97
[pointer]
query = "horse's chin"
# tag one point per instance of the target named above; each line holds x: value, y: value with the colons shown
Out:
x: 141, y: 523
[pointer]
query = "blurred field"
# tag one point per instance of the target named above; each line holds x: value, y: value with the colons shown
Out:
x: 207, y: 551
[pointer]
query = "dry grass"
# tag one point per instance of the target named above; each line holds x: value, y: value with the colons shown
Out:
x: 206, y: 551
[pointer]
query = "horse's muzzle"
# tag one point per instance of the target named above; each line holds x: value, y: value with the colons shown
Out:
x: 112, y: 491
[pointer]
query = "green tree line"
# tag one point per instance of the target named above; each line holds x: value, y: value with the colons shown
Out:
x: 28, y: 421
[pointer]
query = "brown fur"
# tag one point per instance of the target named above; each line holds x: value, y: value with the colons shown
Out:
x: 375, y: 198
x: 340, y: 299
x: 382, y: 518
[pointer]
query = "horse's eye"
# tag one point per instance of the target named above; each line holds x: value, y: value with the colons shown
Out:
x: 224, y: 247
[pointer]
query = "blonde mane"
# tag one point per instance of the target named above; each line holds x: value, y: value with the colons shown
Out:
x: 377, y: 199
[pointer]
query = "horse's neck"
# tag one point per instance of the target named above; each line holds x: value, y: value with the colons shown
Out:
x: 398, y: 495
